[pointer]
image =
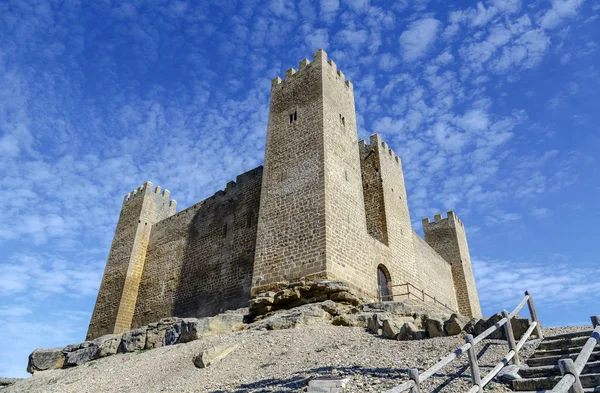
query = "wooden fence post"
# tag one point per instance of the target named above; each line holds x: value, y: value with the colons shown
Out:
x: 538, y: 327
x: 473, y: 362
x: 567, y: 366
x: 413, y: 374
x: 510, y: 337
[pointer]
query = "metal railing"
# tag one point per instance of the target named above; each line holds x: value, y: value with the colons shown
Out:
x: 571, y: 370
x: 417, y: 294
x: 479, y: 383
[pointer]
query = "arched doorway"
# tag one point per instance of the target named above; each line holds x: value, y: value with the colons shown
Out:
x: 383, y: 283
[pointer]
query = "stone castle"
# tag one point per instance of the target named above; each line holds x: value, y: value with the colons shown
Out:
x: 324, y: 206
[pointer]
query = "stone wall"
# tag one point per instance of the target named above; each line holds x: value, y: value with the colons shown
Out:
x: 436, y: 273
x: 119, y: 288
x: 199, y: 262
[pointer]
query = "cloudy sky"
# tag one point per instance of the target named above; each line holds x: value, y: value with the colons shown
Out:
x: 493, y: 107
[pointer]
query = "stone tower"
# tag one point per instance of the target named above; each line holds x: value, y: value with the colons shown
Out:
x: 310, y: 137
x: 119, y: 288
x: 312, y: 222
x: 447, y: 236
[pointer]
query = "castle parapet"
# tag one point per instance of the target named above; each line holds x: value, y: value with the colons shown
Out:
x: 148, y: 189
x: 451, y: 220
x: 319, y: 58
x: 382, y: 147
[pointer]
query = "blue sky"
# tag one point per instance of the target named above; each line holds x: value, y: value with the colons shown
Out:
x: 493, y: 107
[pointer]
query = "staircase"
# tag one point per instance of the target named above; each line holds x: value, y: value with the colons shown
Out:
x: 542, y: 371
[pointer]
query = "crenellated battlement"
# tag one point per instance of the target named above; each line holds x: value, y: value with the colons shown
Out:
x: 319, y: 59
x: 230, y: 188
x: 148, y: 189
x: 377, y: 143
x: 451, y: 219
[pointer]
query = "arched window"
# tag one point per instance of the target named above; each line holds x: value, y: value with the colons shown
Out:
x: 383, y: 283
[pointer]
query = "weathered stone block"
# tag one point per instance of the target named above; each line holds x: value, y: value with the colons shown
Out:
x: 434, y: 326
x: 133, y: 340
x: 107, y: 345
x: 213, y: 355
x: 409, y: 331
x: 45, y: 359
x: 76, y: 354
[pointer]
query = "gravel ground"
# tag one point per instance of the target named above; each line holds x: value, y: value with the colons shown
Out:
x: 278, y: 361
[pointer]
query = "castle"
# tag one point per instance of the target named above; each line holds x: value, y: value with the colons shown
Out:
x: 324, y: 206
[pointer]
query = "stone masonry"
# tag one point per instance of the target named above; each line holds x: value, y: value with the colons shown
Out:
x: 325, y: 206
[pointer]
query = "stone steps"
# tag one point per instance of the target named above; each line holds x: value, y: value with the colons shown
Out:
x: 542, y: 373
x: 551, y: 370
x: 553, y: 360
x: 563, y: 343
x: 537, y: 384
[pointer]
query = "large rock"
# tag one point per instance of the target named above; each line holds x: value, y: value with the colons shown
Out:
x: 434, y: 325
x: 519, y: 327
x: 390, y: 329
x: 262, y: 303
x: 289, y: 319
x: 76, y: 354
x: 346, y: 297
x: 213, y: 355
x: 107, y: 345
x: 331, y: 307
x: 409, y: 331
x: 45, y: 359
x: 353, y: 320
x: 133, y: 340
x: 375, y: 323
x: 156, y: 333
x: 196, y: 328
x: 455, y: 324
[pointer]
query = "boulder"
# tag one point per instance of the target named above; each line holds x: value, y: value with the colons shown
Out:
x: 107, y: 345
x: 332, y: 308
x: 261, y: 304
x: 213, y: 355
x: 289, y: 319
x: 133, y: 340
x: 353, y: 320
x: 483, y: 324
x: 375, y: 323
x: 509, y: 373
x: 346, y: 297
x: 193, y: 329
x: 520, y: 326
x: 286, y: 297
x: 390, y: 329
x: 409, y: 331
x: 225, y: 323
x: 434, y: 325
x: 156, y: 333
x: 45, y: 359
x: 455, y: 324
x: 76, y: 354
x: 172, y: 334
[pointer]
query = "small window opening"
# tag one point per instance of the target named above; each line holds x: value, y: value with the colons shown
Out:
x: 342, y: 120
x: 224, y: 234
x: 293, y: 117
x: 346, y: 175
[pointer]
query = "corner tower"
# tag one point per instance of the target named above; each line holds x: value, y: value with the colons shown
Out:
x: 447, y: 236
x: 117, y: 297
x: 312, y: 209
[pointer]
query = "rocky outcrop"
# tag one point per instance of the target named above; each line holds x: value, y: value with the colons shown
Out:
x: 301, y: 293
x: 76, y: 354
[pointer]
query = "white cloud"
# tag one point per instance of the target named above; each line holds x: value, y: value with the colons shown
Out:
x: 329, y: 9
x: 418, y: 38
x: 317, y: 39
x: 561, y: 10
